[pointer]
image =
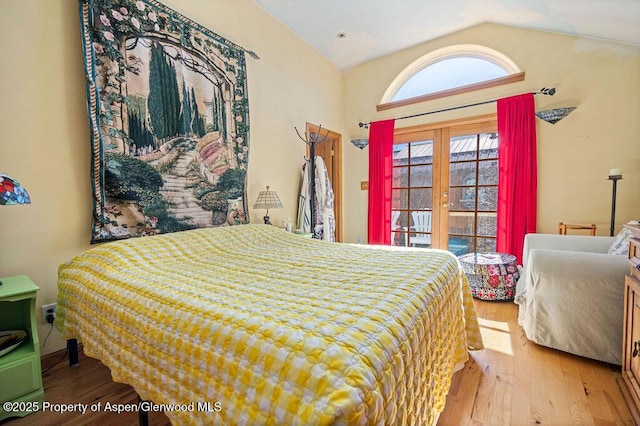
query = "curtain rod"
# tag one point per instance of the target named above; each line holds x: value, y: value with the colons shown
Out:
x: 544, y: 91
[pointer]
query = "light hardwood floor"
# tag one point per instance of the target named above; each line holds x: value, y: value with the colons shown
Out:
x: 515, y: 382
x: 88, y: 383
x: 511, y: 382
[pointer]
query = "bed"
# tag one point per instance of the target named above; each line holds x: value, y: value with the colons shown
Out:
x: 267, y: 327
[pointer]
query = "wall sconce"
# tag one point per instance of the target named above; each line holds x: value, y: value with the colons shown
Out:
x: 360, y: 143
x: 554, y: 115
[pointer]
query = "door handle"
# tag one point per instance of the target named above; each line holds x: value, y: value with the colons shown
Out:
x: 446, y: 205
x: 636, y: 349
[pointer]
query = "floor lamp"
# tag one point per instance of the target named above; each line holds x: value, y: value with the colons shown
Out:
x: 614, y: 175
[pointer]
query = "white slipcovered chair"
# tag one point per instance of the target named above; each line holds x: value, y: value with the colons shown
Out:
x: 571, y: 295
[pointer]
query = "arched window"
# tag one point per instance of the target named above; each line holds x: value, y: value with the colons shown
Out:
x: 450, y: 70
x: 449, y: 73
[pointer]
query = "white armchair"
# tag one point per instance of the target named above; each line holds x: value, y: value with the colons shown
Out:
x: 571, y: 295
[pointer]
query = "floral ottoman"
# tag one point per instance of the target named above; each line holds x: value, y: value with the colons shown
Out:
x: 492, y: 276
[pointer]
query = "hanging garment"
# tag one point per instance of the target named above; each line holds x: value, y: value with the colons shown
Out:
x: 324, y: 197
x: 323, y: 202
x: 304, y: 208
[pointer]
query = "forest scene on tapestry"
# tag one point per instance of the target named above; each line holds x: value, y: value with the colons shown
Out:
x: 169, y: 116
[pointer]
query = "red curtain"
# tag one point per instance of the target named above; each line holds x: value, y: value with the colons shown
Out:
x: 517, y: 173
x: 380, y: 175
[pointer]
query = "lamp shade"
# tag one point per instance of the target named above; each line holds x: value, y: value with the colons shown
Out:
x: 360, y: 143
x: 267, y: 200
x: 554, y: 115
x: 11, y: 192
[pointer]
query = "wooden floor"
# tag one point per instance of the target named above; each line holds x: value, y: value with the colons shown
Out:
x: 88, y: 383
x: 515, y: 382
x: 511, y: 382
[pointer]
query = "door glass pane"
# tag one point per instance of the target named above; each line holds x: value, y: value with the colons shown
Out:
x: 459, y: 245
x: 400, y: 154
x: 417, y: 239
x: 463, y: 148
x: 399, y: 199
x: 461, y: 223
x: 403, y: 220
x: 462, y: 198
x: 399, y: 238
x: 486, y: 244
x: 421, y: 175
x: 488, y: 198
x: 421, y: 152
x: 421, y: 199
x: 487, y: 224
x: 420, y: 230
x: 488, y: 145
x: 488, y: 174
x: 462, y: 173
x: 400, y: 177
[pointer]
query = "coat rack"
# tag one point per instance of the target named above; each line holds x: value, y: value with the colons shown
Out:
x: 312, y: 140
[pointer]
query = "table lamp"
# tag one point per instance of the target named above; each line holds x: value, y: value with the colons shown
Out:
x: 267, y: 200
x: 11, y: 192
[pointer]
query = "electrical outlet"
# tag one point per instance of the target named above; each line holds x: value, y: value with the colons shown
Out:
x: 48, y: 310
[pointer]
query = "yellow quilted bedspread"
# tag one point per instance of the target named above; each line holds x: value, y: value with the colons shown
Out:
x: 271, y: 328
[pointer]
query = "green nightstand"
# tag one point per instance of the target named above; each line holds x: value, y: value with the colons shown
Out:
x: 20, y: 370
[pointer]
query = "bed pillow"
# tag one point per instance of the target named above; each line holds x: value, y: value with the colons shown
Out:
x: 621, y: 244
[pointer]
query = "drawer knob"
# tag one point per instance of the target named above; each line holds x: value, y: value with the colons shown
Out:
x: 638, y: 267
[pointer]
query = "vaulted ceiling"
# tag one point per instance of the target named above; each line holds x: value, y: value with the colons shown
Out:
x: 374, y: 28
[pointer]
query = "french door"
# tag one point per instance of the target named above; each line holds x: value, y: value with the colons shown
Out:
x: 445, y: 182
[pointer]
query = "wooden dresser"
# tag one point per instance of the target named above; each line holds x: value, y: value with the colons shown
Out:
x: 631, y: 330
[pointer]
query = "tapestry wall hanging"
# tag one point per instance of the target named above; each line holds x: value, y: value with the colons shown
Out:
x: 169, y: 117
